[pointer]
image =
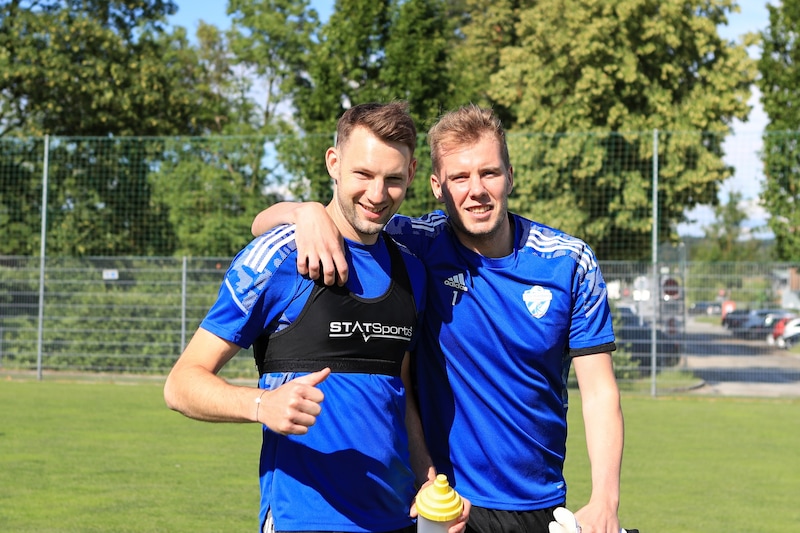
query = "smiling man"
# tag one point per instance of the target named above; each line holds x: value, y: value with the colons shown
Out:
x: 350, y: 463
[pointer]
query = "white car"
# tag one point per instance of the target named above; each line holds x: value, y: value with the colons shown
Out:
x: 791, y: 330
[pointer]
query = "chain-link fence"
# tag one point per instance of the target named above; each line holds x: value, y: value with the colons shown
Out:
x: 114, y: 314
x: 116, y: 270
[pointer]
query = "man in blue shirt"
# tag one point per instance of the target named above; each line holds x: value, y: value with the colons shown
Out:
x: 512, y: 304
x: 350, y: 463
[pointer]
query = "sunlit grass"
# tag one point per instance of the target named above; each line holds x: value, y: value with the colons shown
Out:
x: 109, y: 456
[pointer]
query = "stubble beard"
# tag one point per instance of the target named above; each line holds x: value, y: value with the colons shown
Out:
x: 480, y: 236
x: 361, y: 226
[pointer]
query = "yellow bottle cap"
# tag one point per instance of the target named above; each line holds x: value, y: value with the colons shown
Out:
x: 439, y: 502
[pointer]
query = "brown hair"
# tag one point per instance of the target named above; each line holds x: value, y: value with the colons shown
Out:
x: 390, y: 122
x: 464, y: 126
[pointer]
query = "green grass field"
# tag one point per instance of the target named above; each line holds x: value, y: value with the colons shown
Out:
x: 106, y: 456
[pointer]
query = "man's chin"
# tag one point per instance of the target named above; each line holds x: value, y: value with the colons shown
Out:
x: 371, y: 228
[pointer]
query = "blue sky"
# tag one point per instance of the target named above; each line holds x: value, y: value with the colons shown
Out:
x: 213, y: 11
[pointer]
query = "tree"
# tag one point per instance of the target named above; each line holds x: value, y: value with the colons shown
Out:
x: 342, y: 69
x: 270, y: 40
x: 210, y: 189
x: 416, y: 69
x: 778, y: 82
x: 613, y: 69
x: 99, y: 69
x: 308, y: 73
x: 724, y: 238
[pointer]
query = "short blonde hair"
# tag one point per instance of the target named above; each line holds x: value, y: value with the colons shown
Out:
x: 464, y: 126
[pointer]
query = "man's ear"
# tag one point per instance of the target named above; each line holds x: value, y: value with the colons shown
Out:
x: 332, y: 162
x: 436, y: 187
x: 412, y: 170
x: 510, y: 179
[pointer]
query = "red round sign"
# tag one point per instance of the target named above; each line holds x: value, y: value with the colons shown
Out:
x: 670, y: 287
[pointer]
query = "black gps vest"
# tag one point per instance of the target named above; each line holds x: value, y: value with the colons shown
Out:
x: 345, y: 332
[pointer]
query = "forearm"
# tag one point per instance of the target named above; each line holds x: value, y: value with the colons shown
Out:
x: 198, y: 394
x: 604, y: 428
x: 194, y: 389
x: 421, y: 462
x: 602, y: 417
x: 277, y: 214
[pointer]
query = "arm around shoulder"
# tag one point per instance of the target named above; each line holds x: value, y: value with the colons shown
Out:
x: 275, y: 215
x: 320, y: 246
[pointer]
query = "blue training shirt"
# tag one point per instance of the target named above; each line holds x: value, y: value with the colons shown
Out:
x: 494, y: 356
x: 351, y: 471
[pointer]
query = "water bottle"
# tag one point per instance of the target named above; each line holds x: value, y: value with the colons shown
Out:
x: 438, y: 506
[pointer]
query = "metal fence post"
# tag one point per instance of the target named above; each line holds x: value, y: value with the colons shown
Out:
x: 656, y: 295
x: 42, y: 248
x: 183, y: 305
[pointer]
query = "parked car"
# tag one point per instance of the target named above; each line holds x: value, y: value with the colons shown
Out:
x: 790, y: 334
x: 635, y: 339
x: 705, y: 308
x: 735, y: 318
x: 790, y: 341
x: 777, y: 331
x: 624, y: 310
x: 759, y: 323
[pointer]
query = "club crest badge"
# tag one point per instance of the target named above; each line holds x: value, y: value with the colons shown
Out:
x: 537, y: 299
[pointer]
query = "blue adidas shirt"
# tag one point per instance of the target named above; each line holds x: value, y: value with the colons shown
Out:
x: 493, y: 360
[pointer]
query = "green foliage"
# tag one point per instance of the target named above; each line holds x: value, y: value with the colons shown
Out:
x: 626, y: 67
x: 21, y: 196
x: 272, y: 41
x: 625, y: 369
x: 211, y: 189
x: 98, y: 68
x: 779, y: 87
x: 724, y: 237
x: 99, y: 200
x: 614, y: 71
x: 367, y: 51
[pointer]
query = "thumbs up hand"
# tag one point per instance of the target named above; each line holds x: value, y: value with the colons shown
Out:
x: 293, y: 407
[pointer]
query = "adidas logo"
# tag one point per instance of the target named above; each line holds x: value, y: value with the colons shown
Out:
x: 457, y: 282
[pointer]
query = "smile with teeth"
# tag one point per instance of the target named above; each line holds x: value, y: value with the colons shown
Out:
x: 479, y: 210
x: 374, y: 210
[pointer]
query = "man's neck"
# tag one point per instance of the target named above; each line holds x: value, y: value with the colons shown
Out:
x: 497, y: 244
x: 347, y: 230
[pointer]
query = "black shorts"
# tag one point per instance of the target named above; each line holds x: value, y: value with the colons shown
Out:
x: 483, y: 520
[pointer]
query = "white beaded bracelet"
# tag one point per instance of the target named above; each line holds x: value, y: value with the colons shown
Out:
x: 258, y: 403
